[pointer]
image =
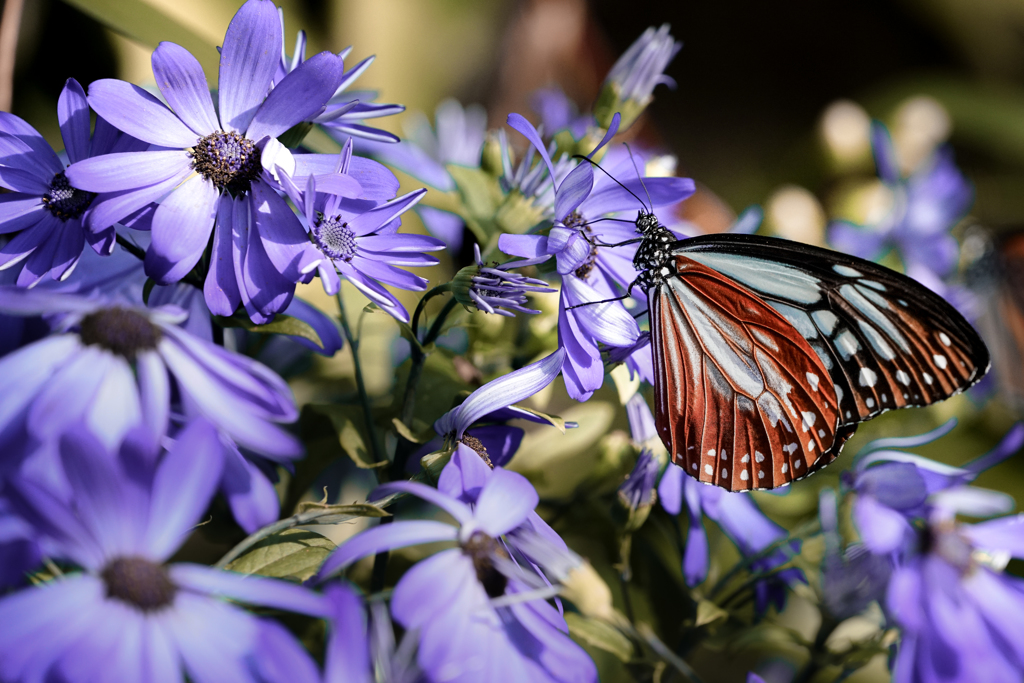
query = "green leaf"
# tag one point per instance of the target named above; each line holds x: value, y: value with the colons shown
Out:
x: 600, y: 635
x: 281, y: 324
x: 348, y: 424
x: 335, y: 514
x: 318, y: 141
x: 147, y: 289
x: 553, y: 420
x: 294, y: 554
x: 709, y: 613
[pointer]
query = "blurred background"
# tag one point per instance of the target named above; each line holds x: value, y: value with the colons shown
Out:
x: 772, y: 107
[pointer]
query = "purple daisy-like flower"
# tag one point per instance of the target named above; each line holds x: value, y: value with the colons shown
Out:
x: 494, y: 288
x: 127, y: 616
x: 358, y: 238
x: 630, y: 84
x: 113, y: 365
x: 851, y: 577
x: 590, y: 272
x: 43, y: 207
x: 208, y: 173
x: 926, y: 206
x: 474, y: 620
x: 346, y: 110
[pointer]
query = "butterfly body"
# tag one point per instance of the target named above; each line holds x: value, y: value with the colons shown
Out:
x: 767, y: 353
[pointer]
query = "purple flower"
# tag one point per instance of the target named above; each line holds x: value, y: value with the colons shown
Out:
x: 358, y: 237
x: 492, y: 405
x: 19, y: 548
x: 346, y: 109
x: 960, y: 615
x: 495, y: 289
x: 113, y: 365
x: 851, y: 577
x: 630, y: 84
x: 926, y: 206
x: 43, y: 207
x: 127, y: 616
x: 208, y: 171
x: 637, y: 492
x: 590, y: 272
x: 474, y: 616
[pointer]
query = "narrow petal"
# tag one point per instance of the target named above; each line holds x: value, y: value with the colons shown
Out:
x: 300, y: 96
x: 183, y: 84
x: 369, y: 265
x: 251, y: 496
x: 116, y: 407
x: 134, y: 111
x: 43, y: 154
x: 882, y: 529
x: 348, y: 652
x: 609, y: 323
x: 18, y: 212
x: 73, y: 115
x: 254, y: 590
x: 457, y: 509
x: 69, y: 250
x: 126, y: 171
x: 214, y: 640
x: 670, y: 489
x: 378, y: 183
x: 69, y: 393
x: 181, y: 230
x: 375, y: 218
x: 221, y: 288
x: 25, y: 371
x: 526, y: 246
x: 248, y: 62
x: 154, y: 393
x: 517, y: 122
x: 40, y: 261
x: 504, y: 503
x: 613, y: 198
x: 28, y: 241
x: 383, y: 538
x: 22, y: 180
x: 430, y: 587
x: 183, y: 486
x: 574, y: 189
x: 508, y: 390
x: 998, y: 535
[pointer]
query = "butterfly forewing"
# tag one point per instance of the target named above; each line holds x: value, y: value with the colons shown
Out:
x: 886, y: 340
x: 742, y: 400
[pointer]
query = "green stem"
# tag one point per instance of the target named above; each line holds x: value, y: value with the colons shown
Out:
x: 353, y: 343
x: 422, y: 305
x: 819, y: 654
x: 807, y: 529
x: 645, y: 633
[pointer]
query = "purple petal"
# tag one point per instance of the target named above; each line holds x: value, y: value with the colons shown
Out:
x: 368, y: 264
x: 457, y: 509
x: 18, y: 212
x: 504, y: 503
x: 251, y: 495
x: 574, y: 189
x: 154, y: 393
x: 183, y: 84
x: 183, y: 487
x: 663, y: 192
x: 43, y: 156
x: 670, y: 489
x: 413, y: 160
x: 348, y: 652
x: 400, y: 243
x: 181, y: 230
x: 248, y: 62
x: 609, y: 323
x: 430, y: 587
x: 221, y: 288
x: 508, y: 389
x: 855, y: 240
x: 126, y: 171
x: 464, y: 475
x: 613, y: 128
x: 300, y: 96
x: 214, y: 640
x: 69, y: 250
x: 254, y: 590
x: 323, y: 324
x: 73, y: 114
x: 23, y: 180
x: 281, y: 658
x: 268, y: 291
x: 526, y: 246
x: 1009, y: 445
x: 286, y: 243
x: 448, y: 227
x: 882, y: 529
x: 520, y: 124
x: 117, y: 207
x: 133, y: 110
x: 582, y: 370
x: 383, y: 538
x: 115, y: 408
x: 998, y: 535
x: 379, y: 216
x: 25, y: 371
x: 69, y: 393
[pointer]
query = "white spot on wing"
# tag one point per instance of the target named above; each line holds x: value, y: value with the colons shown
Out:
x: 940, y: 361
x: 725, y: 456
x: 693, y: 466
x: 927, y: 378
x: 744, y: 476
x: 870, y: 402
x: 868, y: 377
x: 809, y: 419
x: 760, y: 474
x: 785, y: 468
x: 712, y: 452
x: 813, y: 379
x: 821, y: 433
x: 791, y: 448
x: 758, y: 456
x: 847, y: 271
x: 825, y: 320
x: 766, y: 277
x: 944, y: 338
x: 725, y: 473
x: 797, y: 464
x: 847, y: 344
x: 707, y: 468
x: 903, y: 378
x: 745, y: 458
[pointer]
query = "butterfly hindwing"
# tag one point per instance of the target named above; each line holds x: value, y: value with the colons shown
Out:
x: 887, y: 341
x: 742, y: 400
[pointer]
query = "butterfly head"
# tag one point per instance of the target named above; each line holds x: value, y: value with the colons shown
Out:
x: 647, y: 223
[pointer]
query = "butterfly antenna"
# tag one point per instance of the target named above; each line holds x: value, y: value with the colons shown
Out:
x: 640, y: 177
x: 594, y: 163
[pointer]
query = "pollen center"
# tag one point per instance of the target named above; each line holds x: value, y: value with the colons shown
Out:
x: 65, y: 201
x: 478, y: 446
x: 228, y: 160
x: 120, y: 330
x: 138, y: 582
x: 482, y: 549
x: 334, y: 237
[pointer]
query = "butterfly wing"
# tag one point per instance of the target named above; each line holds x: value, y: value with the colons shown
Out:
x: 886, y: 340
x: 742, y: 399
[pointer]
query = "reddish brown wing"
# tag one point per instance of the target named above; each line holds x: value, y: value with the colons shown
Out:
x: 741, y: 399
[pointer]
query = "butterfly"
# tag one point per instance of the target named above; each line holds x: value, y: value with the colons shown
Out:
x: 768, y: 353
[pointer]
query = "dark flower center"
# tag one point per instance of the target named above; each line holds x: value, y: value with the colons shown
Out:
x: 478, y: 446
x: 575, y: 220
x: 334, y: 237
x: 120, y: 330
x: 138, y: 582
x: 481, y: 548
x: 65, y: 201
x: 228, y: 160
